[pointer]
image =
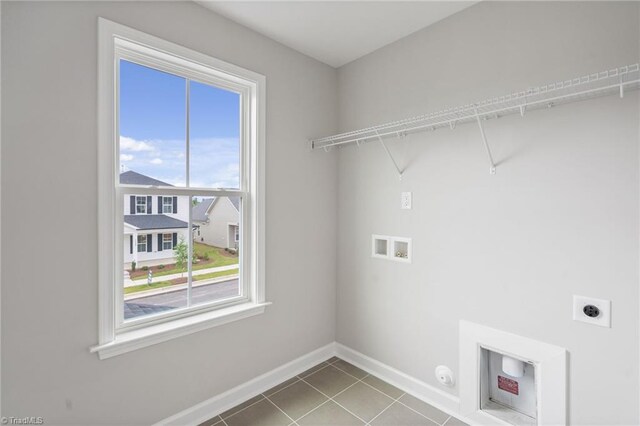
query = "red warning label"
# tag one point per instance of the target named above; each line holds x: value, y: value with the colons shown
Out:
x: 508, y: 385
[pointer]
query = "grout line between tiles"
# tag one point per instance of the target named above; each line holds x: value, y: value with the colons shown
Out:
x: 392, y: 402
x: 273, y: 403
x: 330, y: 364
x: 417, y: 412
x: 240, y: 411
x: 280, y: 390
x: 343, y: 390
x: 313, y: 409
x: 446, y: 421
x: 397, y: 400
x: 315, y: 371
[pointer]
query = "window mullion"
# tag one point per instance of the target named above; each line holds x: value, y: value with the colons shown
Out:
x: 188, y: 183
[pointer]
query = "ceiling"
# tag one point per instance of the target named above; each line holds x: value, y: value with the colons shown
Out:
x: 336, y: 32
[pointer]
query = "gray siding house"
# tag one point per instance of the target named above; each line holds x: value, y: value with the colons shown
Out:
x: 216, y: 222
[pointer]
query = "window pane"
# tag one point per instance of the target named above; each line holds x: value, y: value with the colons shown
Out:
x: 215, y: 250
x: 154, y: 251
x: 214, y: 133
x: 152, y: 114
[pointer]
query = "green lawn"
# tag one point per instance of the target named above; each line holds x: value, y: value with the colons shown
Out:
x: 217, y: 257
x: 161, y: 284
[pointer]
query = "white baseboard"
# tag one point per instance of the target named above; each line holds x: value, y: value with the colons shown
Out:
x: 205, y: 410
x: 229, y: 399
x: 443, y: 401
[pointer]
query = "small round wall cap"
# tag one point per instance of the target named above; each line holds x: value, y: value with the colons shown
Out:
x: 445, y: 375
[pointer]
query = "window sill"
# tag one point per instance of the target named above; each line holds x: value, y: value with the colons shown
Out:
x: 140, y: 338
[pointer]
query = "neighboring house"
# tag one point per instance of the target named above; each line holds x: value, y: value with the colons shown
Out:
x: 153, y: 225
x: 215, y: 222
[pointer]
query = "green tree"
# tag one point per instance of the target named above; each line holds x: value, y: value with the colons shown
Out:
x: 181, y: 252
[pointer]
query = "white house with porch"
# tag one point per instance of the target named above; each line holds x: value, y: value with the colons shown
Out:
x: 153, y: 225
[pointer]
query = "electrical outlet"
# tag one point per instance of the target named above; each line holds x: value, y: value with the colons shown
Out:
x: 405, y: 201
x: 592, y: 311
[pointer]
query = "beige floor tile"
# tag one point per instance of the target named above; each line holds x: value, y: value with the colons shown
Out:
x: 363, y: 401
x: 330, y: 414
x: 455, y: 422
x: 241, y: 406
x: 281, y: 386
x: 330, y: 380
x: 425, y: 409
x: 312, y: 370
x: 399, y: 415
x: 298, y: 399
x: 332, y: 359
x: 212, y: 422
x: 263, y: 413
x: 350, y: 368
x: 384, y: 387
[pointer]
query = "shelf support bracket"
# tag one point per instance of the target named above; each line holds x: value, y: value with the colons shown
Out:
x: 492, y: 167
x: 390, y: 156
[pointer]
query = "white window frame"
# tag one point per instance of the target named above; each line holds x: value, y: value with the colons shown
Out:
x: 138, y: 243
x: 164, y: 205
x: 170, y: 241
x: 117, y: 41
x: 138, y: 204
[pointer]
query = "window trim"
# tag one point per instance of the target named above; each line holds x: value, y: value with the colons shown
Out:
x: 200, y: 67
x: 138, y: 243
x: 138, y: 204
x: 164, y: 242
x: 164, y: 204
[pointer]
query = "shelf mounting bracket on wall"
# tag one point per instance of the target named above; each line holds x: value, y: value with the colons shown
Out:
x: 492, y: 164
x: 618, y: 81
x: 398, y: 170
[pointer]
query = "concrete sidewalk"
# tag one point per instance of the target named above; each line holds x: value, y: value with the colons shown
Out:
x: 160, y: 278
x: 178, y: 287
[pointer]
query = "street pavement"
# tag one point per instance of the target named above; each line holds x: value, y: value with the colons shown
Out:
x: 178, y: 299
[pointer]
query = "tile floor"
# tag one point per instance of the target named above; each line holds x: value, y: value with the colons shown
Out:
x: 334, y: 393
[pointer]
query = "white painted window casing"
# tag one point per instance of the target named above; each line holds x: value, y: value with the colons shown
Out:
x: 116, y: 336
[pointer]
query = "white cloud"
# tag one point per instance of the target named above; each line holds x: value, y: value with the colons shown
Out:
x: 156, y: 161
x: 130, y: 144
x: 126, y: 157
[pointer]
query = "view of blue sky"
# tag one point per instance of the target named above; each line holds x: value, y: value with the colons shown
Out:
x: 153, y: 128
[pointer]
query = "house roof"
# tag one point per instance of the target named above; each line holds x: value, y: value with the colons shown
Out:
x: 199, y: 211
x: 236, y: 202
x: 154, y: 221
x: 133, y: 178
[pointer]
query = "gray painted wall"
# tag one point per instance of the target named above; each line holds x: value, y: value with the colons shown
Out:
x: 49, y: 314
x: 559, y: 218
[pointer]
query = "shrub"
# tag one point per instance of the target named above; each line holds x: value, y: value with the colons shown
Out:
x: 160, y: 266
x: 205, y: 256
x: 133, y: 265
x: 145, y: 268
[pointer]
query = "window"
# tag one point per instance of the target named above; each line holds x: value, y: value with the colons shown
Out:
x: 237, y: 233
x: 186, y: 128
x: 167, y: 241
x: 141, y: 205
x: 142, y: 243
x: 168, y: 205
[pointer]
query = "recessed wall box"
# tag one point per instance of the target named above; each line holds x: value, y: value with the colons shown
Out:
x: 391, y: 248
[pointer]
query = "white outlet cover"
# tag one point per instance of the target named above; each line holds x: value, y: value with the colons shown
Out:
x: 602, y: 320
x: 405, y: 200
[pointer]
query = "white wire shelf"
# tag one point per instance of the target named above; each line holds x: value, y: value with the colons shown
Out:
x: 609, y: 82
